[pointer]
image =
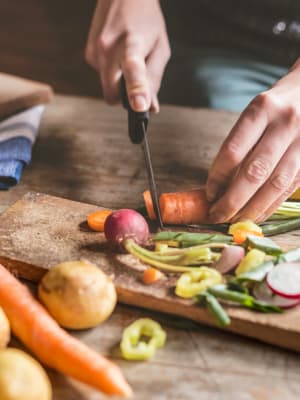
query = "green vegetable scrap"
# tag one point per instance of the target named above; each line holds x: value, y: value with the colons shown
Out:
x: 187, y: 239
x: 215, y: 308
x: 174, y: 260
x: 192, y: 283
x: 222, y: 292
x: 290, y: 256
x: 279, y: 227
x: 257, y: 274
x: 134, y: 347
x: 288, y: 209
x: 264, y: 244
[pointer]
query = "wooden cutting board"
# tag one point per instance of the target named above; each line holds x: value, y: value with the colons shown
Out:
x: 40, y: 231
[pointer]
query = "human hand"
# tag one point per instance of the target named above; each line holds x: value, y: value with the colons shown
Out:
x: 129, y: 37
x: 258, y: 165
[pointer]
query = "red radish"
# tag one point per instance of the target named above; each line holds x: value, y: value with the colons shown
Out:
x: 262, y: 292
x: 284, y: 280
x: 126, y: 224
x: 230, y: 258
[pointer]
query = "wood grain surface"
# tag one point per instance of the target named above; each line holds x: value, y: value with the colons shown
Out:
x: 40, y: 231
x: 83, y: 154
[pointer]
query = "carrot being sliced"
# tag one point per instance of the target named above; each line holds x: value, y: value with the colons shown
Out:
x: 51, y: 344
x: 96, y: 220
x: 152, y: 275
x: 189, y: 207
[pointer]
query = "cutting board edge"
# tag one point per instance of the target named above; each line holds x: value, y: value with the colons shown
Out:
x: 291, y: 340
x: 23, y: 270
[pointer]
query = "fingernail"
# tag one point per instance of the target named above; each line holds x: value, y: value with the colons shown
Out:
x: 139, y: 103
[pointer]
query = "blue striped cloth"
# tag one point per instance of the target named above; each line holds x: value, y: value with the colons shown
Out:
x: 17, y: 135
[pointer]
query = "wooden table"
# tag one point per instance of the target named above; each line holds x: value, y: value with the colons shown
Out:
x: 83, y: 153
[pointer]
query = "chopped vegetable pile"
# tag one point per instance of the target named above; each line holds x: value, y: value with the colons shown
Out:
x: 241, y: 267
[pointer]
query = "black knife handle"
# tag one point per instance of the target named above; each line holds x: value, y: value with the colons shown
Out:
x: 137, y: 121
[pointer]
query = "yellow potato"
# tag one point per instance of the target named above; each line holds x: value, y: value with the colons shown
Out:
x: 4, y: 330
x: 78, y: 294
x: 22, y: 377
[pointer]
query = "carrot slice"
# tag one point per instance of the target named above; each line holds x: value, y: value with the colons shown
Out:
x: 152, y: 275
x: 149, y: 204
x: 51, y: 344
x: 240, y: 235
x: 96, y: 220
x: 190, y: 207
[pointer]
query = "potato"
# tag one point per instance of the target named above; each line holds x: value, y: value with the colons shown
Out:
x: 22, y: 377
x: 4, y: 330
x: 77, y: 294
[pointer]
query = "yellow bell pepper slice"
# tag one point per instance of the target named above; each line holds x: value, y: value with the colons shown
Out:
x: 195, y: 282
x: 134, y: 347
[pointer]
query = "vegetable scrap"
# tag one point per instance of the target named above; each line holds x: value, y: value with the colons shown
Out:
x: 152, y: 275
x: 96, y: 220
x: 195, y: 282
x: 238, y: 267
x: 141, y: 339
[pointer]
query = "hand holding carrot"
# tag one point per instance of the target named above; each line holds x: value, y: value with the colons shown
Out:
x: 258, y: 165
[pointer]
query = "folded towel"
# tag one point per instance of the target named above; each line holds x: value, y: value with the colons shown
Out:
x: 17, y: 135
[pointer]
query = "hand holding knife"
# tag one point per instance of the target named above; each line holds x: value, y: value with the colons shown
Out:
x: 137, y: 130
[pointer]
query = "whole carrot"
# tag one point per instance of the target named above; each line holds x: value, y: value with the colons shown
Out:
x: 31, y: 323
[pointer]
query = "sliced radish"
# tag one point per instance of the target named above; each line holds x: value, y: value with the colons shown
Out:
x: 284, y: 280
x: 262, y: 292
x: 230, y: 258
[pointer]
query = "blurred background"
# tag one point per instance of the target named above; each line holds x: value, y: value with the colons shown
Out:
x: 44, y: 40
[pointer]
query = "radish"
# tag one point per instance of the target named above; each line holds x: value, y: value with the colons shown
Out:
x: 262, y: 292
x: 126, y: 224
x: 231, y: 256
x: 284, y: 280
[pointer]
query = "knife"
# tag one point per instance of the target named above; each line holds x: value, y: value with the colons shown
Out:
x: 137, y: 130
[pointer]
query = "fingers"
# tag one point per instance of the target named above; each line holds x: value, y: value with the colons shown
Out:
x: 255, y: 171
x: 276, y: 189
x: 295, y: 185
x: 156, y: 64
x: 91, y: 55
x: 242, y: 138
x: 134, y: 69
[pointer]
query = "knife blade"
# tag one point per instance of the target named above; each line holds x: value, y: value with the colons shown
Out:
x: 137, y: 130
x: 151, y: 179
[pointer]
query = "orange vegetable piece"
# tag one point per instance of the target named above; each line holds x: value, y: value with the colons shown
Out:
x: 96, y: 220
x: 149, y: 205
x: 240, y: 235
x: 53, y: 346
x: 152, y: 275
x: 190, y: 207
